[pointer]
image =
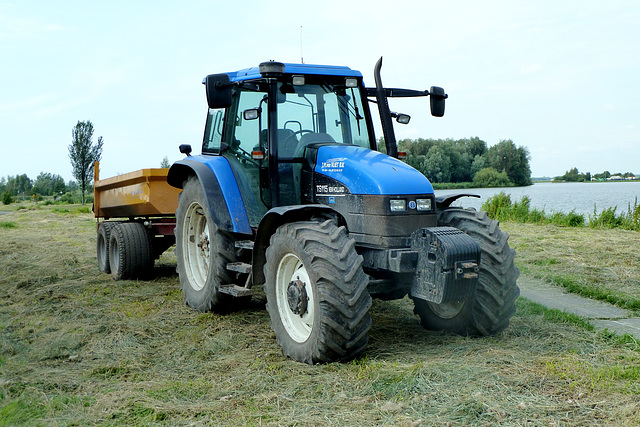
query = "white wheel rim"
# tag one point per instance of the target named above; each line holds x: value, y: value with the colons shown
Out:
x: 447, y: 310
x: 291, y: 269
x: 196, y: 246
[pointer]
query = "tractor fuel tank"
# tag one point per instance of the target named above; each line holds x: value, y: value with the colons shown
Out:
x: 447, y: 266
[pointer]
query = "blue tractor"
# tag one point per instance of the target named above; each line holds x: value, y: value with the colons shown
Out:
x: 291, y: 194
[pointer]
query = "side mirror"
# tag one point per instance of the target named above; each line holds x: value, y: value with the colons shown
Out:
x: 251, y: 114
x: 437, y: 96
x: 403, y: 119
x: 218, y: 88
x: 185, y: 149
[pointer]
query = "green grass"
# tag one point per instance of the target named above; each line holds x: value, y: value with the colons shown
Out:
x: 77, y: 348
x: 501, y: 207
x: 600, y: 264
x: 8, y: 224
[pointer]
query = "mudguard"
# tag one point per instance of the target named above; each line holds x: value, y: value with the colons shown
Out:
x: 219, y: 184
x: 444, y: 202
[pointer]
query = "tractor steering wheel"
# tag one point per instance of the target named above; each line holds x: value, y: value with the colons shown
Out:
x: 296, y: 133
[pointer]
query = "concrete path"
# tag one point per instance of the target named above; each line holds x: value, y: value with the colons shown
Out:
x: 599, y: 314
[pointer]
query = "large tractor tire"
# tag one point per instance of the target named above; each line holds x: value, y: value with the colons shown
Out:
x: 489, y: 310
x: 102, y: 245
x: 130, y: 255
x: 317, y: 292
x: 202, y: 251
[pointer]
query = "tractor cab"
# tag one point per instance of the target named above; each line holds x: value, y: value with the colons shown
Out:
x: 265, y: 124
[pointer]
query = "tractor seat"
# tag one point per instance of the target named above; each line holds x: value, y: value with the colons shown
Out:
x: 312, y: 138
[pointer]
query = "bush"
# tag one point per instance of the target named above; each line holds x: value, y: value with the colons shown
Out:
x: 7, y: 197
x: 489, y: 177
x: 501, y: 208
x: 498, y: 206
x: 73, y: 198
x: 609, y: 219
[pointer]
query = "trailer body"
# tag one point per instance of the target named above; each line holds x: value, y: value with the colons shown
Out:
x: 135, y: 215
x: 141, y: 193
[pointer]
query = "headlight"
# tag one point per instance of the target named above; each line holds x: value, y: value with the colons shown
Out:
x: 423, y: 204
x: 398, y: 205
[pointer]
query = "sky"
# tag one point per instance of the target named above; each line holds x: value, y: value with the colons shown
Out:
x: 557, y: 77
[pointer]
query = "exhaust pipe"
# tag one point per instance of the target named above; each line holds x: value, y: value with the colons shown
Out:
x: 385, y: 113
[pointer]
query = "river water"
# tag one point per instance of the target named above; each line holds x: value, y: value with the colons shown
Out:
x: 561, y: 197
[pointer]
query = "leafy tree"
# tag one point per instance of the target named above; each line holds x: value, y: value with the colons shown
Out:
x: 83, y: 153
x: 572, y: 175
x: 479, y: 163
x: 72, y: 185
x: 19, y: 184
x: 449, y: 160
x: 514, y: 161
x: 437, y: 165
x: 47, y: 184
x: 489, y: 177
x: 165, y: 162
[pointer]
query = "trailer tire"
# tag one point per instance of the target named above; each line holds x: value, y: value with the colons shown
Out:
x: 102, y: 245
x: 203, y: 252
x: 130, y: 255
x: 317, y: 292
x: 493, y: 304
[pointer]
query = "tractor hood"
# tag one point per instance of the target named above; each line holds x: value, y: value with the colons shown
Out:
x: 364, y: 171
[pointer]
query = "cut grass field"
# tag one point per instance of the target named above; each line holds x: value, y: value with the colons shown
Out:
x: 77, y: 348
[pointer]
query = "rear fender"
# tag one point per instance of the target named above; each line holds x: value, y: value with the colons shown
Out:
x: 279, y: 216
x: 220, y: 187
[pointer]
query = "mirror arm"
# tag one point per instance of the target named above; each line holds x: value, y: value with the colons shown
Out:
x: 402, y: 93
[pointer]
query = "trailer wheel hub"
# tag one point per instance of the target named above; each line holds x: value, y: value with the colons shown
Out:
x: 297, y: 297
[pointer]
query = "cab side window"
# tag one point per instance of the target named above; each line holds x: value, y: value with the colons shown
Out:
x: 212, y: 141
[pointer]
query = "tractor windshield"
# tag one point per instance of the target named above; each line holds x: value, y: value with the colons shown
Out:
x: 320, y: 111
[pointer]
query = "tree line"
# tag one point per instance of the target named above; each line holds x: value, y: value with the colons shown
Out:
x: 82, y: 153
x: 469, y: 160
x: 574, y: 175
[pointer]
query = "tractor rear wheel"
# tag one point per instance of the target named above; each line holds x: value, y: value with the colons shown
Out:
x: 202, y: 252
x: 489, y: 310
x: 316, y: 292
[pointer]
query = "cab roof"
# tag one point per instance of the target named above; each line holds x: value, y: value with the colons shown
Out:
x: 306, y: 69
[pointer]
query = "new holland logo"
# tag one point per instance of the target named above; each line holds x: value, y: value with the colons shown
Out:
x: 333, y: 165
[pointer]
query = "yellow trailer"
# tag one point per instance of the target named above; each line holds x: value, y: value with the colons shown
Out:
x: 141, y: 193
x: 135, y: 215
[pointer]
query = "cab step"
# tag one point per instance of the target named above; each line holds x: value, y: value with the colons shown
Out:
x: 239, y: 267
x: 244, y: 244
x: 236, y: 291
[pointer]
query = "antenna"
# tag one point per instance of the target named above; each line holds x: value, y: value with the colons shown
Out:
x: 301, y: 55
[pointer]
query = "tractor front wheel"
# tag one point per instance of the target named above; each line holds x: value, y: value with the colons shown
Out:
x: 489, y: 310
x: 316, y: 292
